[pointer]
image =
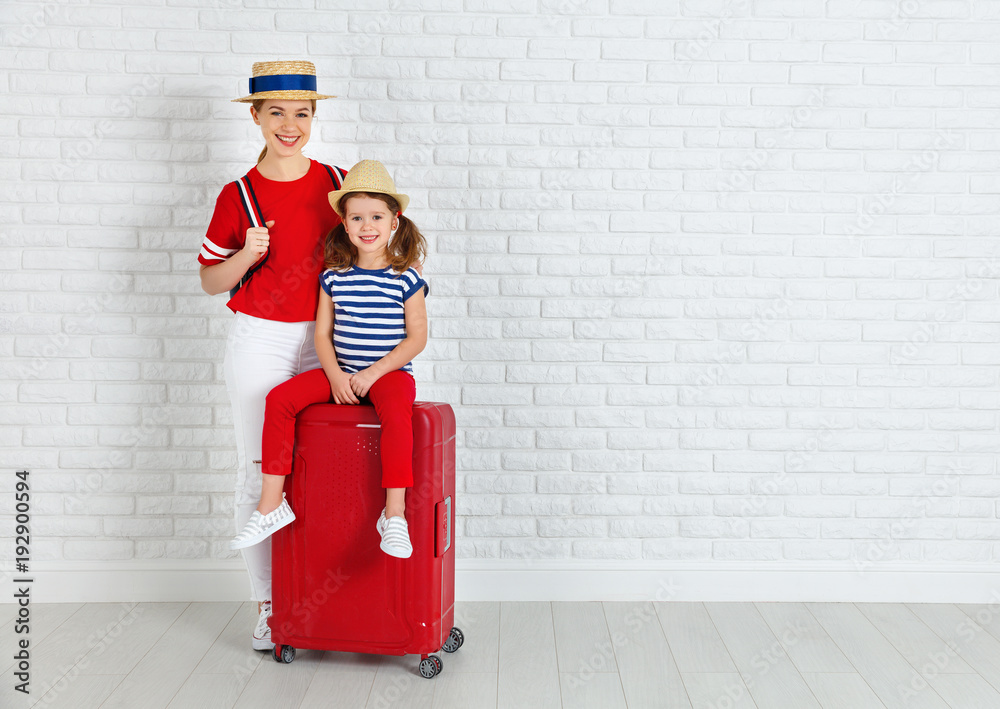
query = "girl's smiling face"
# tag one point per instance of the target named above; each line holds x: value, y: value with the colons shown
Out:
x: 285, y: 125
x: 369, y: 223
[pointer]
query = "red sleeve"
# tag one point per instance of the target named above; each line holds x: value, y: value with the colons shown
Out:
x: 226, y: 232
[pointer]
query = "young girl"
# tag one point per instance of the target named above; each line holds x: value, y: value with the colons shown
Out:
x: 275, y: 264
x: 370, y: 322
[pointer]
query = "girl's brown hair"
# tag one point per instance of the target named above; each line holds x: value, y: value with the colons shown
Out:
x: 406, y: 247
x: 260, y: 102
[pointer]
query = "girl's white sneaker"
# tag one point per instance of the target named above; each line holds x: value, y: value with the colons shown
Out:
x: 259, y: 527
x: 395, y: 536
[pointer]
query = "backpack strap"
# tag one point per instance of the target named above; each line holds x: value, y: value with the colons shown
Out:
x: 252, y: 208
x: 253, y: 211
x: 337, y: 175
x: 249, y: 200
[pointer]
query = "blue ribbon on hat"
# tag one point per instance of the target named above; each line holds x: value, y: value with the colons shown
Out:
x: 283, y: 82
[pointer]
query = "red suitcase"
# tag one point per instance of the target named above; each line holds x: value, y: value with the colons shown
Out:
x: 332, y: 587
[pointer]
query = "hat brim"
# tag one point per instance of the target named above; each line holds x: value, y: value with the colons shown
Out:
x: 335, y: 197
x: 290, y: 95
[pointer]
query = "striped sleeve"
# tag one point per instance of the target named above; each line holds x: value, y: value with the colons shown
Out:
x: 226, y: 233
x: 326, y: 282
x: 412, y: 283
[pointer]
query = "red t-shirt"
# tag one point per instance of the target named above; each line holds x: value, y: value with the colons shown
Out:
x: 286, y: 286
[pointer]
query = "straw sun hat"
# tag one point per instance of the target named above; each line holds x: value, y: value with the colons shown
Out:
x: 293, y: 80
x: 368, y: 176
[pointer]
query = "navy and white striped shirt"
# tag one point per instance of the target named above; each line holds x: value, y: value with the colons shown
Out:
x: 368, y: 317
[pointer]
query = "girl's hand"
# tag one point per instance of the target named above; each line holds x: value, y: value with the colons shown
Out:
x: 340, y: 387
x: 256, y: 242
x: 362, y: 381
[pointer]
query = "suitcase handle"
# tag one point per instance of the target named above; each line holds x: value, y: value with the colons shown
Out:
x: 442, y: 527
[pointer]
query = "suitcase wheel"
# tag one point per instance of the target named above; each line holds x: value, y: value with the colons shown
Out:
x: 431, y: 666
x: 283, y: 653
x: 454, y: 641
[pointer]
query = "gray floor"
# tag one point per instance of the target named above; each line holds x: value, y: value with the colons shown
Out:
x: 526, y: 655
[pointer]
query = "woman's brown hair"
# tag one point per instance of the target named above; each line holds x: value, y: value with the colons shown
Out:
x: 406, y: 247
x: 260, y: 102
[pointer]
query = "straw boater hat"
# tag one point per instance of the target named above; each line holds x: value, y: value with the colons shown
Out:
x: 368, y: 176
x: 294, y: 80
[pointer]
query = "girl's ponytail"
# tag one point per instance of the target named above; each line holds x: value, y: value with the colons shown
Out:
x: 339, y: 253
x: 407, y: 246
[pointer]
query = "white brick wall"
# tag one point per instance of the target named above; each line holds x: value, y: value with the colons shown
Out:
x: 710, y: 283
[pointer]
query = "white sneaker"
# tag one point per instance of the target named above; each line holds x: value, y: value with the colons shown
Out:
x: 262, y: 633
x: 395, y: 536
x: 259, y: 527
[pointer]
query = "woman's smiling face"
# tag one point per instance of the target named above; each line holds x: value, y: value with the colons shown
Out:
x: 285, y: 125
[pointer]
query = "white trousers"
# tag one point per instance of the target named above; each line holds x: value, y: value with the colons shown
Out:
x: 260, y: 354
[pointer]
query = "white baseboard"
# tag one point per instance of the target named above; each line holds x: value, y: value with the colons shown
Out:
x: 535, y: 580
x: 117, y: 582
x: 521, y: 580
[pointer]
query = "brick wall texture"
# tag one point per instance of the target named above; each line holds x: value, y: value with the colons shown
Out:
x: 711, y: 281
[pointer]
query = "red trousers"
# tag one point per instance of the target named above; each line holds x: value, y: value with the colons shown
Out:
x: 392, y: 396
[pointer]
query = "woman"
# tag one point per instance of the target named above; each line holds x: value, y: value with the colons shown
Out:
x: 264, y: 245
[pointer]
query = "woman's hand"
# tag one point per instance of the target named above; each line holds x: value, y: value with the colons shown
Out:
x: 340, y: 387
x: 256, y: 242
x: 362, y: 381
